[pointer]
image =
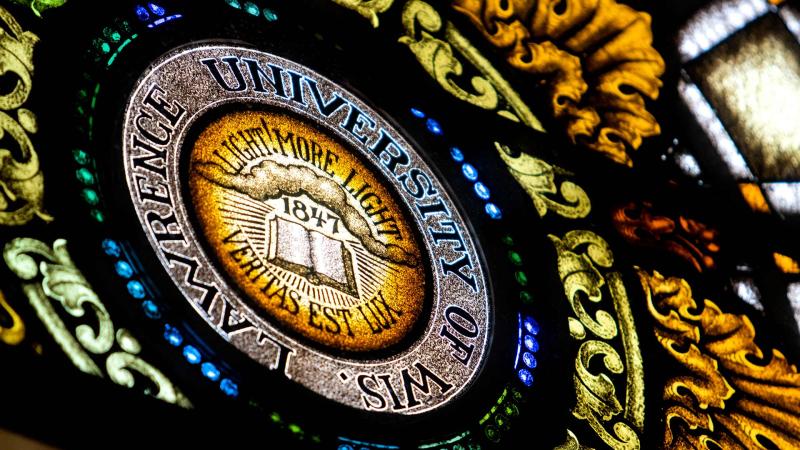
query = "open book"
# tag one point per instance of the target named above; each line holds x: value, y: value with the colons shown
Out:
x: 322, y: 260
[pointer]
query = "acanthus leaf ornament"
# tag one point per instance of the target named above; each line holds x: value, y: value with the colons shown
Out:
x: 731, y: 394
x: 21, y: 179
x: 582, y: 255
x: 38, y: 6
x: 14, y: 333
x: 438, y: 58
x: 369, y: 9
x: 62, y: 282
x: 640, y: 224
x: 538, y: 179
x: 568, y: 43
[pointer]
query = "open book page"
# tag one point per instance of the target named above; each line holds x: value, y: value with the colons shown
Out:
x: 322, y: 259
x: 326, y: 253
x: 292, y: 245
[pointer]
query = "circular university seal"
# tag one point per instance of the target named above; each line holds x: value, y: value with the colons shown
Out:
x: 304, y: 229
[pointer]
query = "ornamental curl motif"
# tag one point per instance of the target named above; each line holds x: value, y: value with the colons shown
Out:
x: 438, y: 56
x: 369, y: 9
x: 62, y: 282
x: 21, y: 179
x: 732, y: 395
x: 582, y: 255
x: 538, y: 178
x: 640, y: 224
x: 37, y: 6
x: 595, y: 58
x: 13, y: 333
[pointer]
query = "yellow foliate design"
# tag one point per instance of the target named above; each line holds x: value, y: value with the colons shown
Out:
x: 581, y: 257
x: 13, y: 334
x: 571, y: 443
x: 596, y: 395
x: 599, y: 40
x: 369, y: 9
x: 437, y: 57
x: 579, y: 274
x: 519, y: 111
x: 21, y: 180
x: 538, y: 179
x: 63, y: 283
x: 634, y: 402
x: 37, y: 6
x: 732, y: 395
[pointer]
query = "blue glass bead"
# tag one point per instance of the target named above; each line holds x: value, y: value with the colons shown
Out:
x: 525, y: 376
x: 234, y: 4
x: 469, y: 171
x: 111, y: 248
x: 482, y: 190
x: 172, y: 335
x: 191, y: 354
x: 529, y: 360
x: 151, y: 309
x: 157, y: 10
x: 252, y: 9
x: 123, y: 269
x: 142, y: 13
x: 531, y: 343
x: 136, y: 289
x: 210, y: 371
x: 493, y: 211
x: 531, y: 326
x: 270, y: 15
x: 434, y: 127
x: 230, y: 388
x: 417, y: 113
x: 456, y: 154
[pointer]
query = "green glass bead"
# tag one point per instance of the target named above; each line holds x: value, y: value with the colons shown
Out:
x: 522, y: 279
x: 85, y: 176
x: 97, y: 216
x: 81, y: 157
x: 90, y: 197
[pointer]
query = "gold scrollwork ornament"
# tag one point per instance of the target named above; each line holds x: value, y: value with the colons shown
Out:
x: 438, y: 58
x: 14, y: 333
x: 581, y: 256
x: 369, y: 9
x: 730, y: 394
x: 21, y: 180
x: 538, y: 179
x: 582, y: 279
x: 596, y: 394
x: 595, y: 58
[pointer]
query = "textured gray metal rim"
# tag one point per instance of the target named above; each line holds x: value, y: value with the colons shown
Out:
x: 182, y: 78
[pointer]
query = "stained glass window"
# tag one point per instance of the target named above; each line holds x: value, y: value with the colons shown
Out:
x: 395, y: 224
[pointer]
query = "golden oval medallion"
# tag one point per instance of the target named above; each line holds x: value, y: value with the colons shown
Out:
x: 310, y: 233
